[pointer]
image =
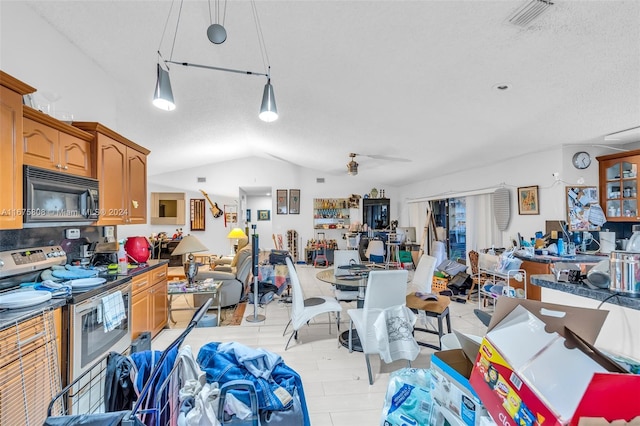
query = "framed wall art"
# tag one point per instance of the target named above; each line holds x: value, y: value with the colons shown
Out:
x: 281, y: 201
x: 248, y: 217
x: 583, y: 211
x: 264, y: 215
x: 294, y: 201
x: 528, y: 202
x: 197, y: 211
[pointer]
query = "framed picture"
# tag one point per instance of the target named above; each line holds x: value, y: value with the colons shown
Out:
x: 528, y: 202
x: 264, y: 215
x: 281, y: 201
x: 294, y: 201
x: 583, y: 211
x: 197, y: 211
x: 248, y: 215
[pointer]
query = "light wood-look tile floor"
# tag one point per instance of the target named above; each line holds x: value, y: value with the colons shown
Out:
x: 334, y: 380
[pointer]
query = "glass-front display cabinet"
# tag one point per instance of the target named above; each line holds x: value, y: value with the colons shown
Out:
x: 619, y: 186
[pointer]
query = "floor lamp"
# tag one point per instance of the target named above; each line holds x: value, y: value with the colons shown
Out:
x: 255, y: 254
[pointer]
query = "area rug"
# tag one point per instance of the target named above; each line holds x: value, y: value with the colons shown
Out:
x: 233, y: 315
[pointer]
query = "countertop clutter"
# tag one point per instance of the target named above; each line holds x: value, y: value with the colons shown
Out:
x: 549, y: 281
x: 9, y: 317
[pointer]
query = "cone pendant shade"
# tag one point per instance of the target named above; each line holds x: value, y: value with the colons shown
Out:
x: 268, y: 110
x: 163, y: 95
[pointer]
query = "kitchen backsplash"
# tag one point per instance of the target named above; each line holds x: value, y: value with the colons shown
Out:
x: 34, y: 237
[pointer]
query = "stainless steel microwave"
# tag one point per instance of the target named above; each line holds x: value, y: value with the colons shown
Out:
x: 53, y: 197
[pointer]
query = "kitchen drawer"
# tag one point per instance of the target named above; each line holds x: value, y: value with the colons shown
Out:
x: 158, y: 274
x: 140, y: 283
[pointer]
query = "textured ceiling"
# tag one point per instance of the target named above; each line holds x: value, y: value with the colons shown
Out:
x: 408, y: 79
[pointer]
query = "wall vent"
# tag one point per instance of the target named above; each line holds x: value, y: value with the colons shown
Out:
x: 529, y: 11
x: 202, y: 179
x: 319, y: 180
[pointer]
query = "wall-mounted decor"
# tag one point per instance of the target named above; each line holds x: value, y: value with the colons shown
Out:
x: 528, y: 200
x: 167, y: 208
x: 248, y: 217
x: 264, y: 215
x: 583, y: 211
x: 294, y: 201
x: 197, y: 211
x: 230, y: 215
x: 281, y: 201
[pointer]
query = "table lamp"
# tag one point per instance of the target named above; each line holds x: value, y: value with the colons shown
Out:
x: 189, y: 244
x: 235, y: 233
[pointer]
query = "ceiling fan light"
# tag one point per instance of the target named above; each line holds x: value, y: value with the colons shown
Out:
x: 268, y: 110
x: 163, y: 95
x: 352, y: 168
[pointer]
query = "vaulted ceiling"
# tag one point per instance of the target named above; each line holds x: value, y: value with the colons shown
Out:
x: 416, y: 80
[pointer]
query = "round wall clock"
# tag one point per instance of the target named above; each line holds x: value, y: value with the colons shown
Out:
x: 581, y: 160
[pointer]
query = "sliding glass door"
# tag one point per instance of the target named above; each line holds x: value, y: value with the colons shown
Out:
x: 451, y: 215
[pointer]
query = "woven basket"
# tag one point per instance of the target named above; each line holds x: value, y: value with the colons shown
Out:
x: 439, y: 284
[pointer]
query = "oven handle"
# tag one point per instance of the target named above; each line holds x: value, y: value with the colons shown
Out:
x: 96, y: 300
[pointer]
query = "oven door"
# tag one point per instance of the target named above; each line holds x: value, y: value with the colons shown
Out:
x: 89, y: 339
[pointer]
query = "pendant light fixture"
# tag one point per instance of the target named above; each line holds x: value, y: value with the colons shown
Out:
x: 217, y: 34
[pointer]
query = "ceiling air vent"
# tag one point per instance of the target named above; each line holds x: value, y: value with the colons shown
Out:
x: 202, y: 179
x: 319, y: 180
x: 529, y: 11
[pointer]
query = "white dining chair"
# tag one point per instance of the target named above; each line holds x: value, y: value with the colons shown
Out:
x: 304, y: 309
x: 386, y: 292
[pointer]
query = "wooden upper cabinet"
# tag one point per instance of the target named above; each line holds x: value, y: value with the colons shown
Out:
x: 11, y: 92
x: 51, y: 144
x: 121, y: 168
x: 620, y: 186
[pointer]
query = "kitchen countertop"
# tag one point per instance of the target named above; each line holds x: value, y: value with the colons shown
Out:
x: 9, y: 317
x: 578, y: 258
x: 549, y: 281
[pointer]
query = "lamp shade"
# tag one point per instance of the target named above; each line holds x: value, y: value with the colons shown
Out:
x: 163, y: 95
x: 188, y: 244
x: 236, y: 233
x: 268, y: 110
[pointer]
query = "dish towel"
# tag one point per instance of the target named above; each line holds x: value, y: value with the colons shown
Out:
x: 113, y: 311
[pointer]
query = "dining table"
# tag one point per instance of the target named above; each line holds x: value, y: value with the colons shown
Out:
x: 354, y: 277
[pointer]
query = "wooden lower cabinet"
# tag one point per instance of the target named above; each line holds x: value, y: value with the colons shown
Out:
x: 534, y: 268
x: 149, y: 306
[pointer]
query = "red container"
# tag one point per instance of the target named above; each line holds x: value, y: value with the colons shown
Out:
x: 138, y: 248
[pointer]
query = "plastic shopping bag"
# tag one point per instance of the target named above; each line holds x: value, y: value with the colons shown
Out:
x: 408, y: 399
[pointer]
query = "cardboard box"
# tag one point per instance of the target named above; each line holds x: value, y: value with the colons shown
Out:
x: 450, y: 388
x: 537, y: 366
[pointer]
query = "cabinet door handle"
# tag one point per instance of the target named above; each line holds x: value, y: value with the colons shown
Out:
x: 65, y: 167
x: 58, y: 166
x: 162, y: 274
x: 141, y: 284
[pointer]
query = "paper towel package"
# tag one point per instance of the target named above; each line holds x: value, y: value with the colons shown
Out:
x: 537, y: 366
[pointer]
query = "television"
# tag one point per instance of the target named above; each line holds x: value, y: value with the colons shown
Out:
x: 406, y: 234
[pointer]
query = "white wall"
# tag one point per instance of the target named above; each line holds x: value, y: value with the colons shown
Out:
x: 32, y: 51
x: 535, y: 169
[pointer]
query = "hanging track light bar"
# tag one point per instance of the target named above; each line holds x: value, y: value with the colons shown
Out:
x: 209, y: 67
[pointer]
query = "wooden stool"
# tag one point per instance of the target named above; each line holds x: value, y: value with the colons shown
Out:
x: 435, y: 309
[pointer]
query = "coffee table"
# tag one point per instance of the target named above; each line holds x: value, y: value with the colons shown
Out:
x: 181, y: 287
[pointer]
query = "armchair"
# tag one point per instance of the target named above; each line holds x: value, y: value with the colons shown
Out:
x: 228, y: 263
x: 233, y: 282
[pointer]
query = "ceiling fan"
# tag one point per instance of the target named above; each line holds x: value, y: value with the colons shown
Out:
x: 352, y: 166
